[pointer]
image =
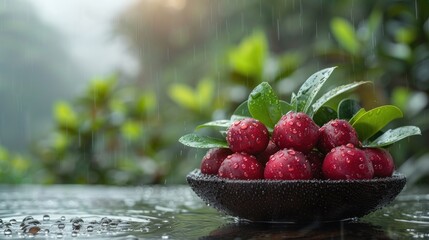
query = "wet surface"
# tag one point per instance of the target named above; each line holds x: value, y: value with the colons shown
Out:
x: 96, y: 212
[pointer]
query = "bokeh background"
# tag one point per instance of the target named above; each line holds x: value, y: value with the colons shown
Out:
x: 98, y: 92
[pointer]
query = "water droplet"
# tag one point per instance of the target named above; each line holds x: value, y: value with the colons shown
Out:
x: 63, y: 218
x: 74, y: 234
x: 12, y: 221
x: 361, y: 166
x: 244, y: 126
x: 60, y: 235
x: 7, y: 232
x: 105, y: 221
x: 46, y: 231
x: 61, y: 226
x: 46, y: 218
x: 114, y: 224
x: 255, y: 95
x: 89, y: 228
x: 27, y: 218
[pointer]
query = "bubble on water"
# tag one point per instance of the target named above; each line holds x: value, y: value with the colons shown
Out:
x: 8, y: 232
x: 46, y: 218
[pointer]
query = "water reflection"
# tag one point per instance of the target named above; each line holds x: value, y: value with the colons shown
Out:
x: 337, y: 230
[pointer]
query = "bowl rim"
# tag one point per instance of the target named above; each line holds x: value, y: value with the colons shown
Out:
x: 196, y: 174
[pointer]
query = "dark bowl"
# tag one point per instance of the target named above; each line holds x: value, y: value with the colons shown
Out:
x: 296, y: 200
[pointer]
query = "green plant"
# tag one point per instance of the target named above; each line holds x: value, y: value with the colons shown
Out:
x: 16, y: 168
x: 264, y: 105
x: 108, y: 136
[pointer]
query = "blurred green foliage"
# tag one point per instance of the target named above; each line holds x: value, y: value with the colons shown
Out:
x: 104, y: 136
x: 199, y: 61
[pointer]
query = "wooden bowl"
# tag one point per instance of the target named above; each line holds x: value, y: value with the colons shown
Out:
x: 295, y: 200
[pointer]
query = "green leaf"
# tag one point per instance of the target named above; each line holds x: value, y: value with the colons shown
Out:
x: 217, y: 123
x: 375, y: 119
x: 204, y: 93
x: 65, y: 115
x: 357, y: 115
x: 248, y: 58
x: 400, y: 97
x: 241, y: 111
x: 264, y: 105
x: 309, y: 89
x: 131, y: 130
x: 395, y: 135
x: 324, y: 115
x: 286, y: 107
x: 333, y: 93
x: 196, y: 141
x: 345, y: 34
x: 348, y: 108
x: 183, y: 95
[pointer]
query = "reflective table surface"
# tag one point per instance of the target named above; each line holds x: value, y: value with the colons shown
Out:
x: 175, y: 212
